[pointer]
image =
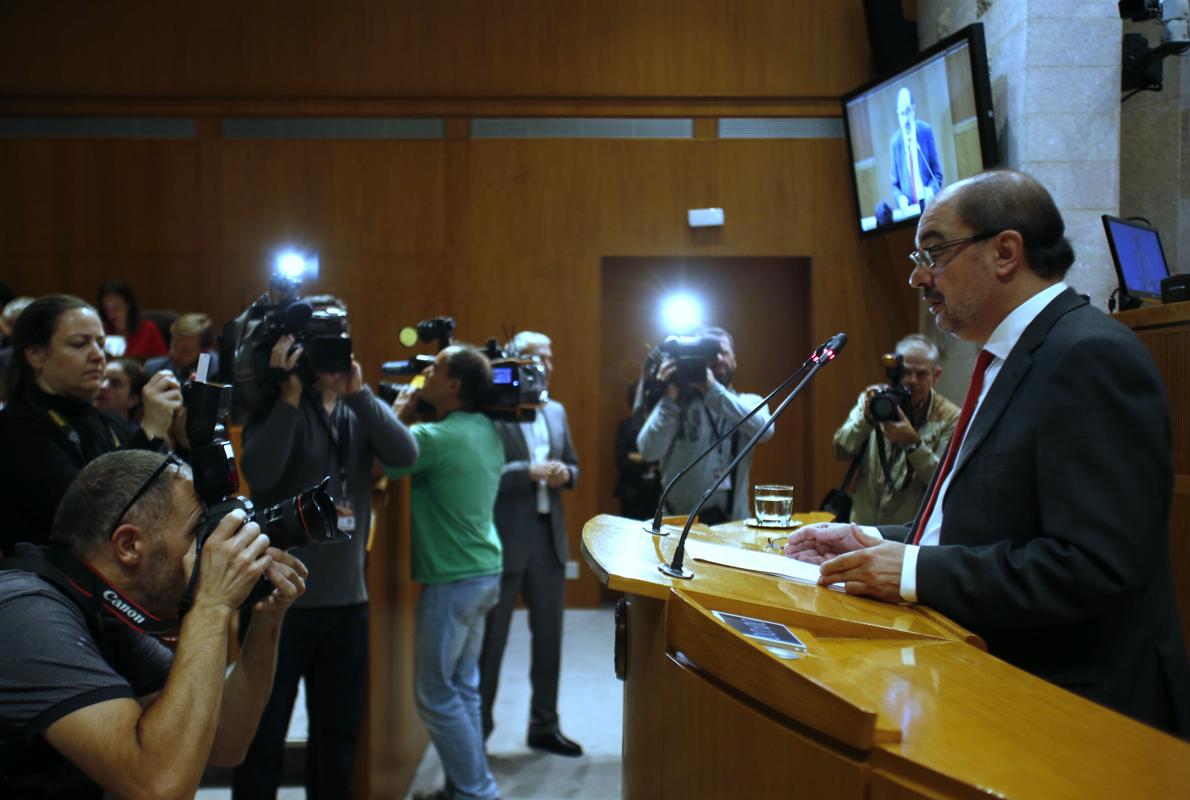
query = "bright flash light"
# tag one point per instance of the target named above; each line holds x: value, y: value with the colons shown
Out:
x: 681, y: 313
x: 294, y: 266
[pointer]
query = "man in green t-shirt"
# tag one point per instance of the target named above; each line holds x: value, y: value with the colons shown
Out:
x: 456, y: 555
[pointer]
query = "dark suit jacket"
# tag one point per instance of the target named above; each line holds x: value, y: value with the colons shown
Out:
x: 516, y: 504
x: 1054, y: 544
x: 928, y: 166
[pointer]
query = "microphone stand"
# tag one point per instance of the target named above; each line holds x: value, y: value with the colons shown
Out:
x: 655, y: 528
x: 824, y: 354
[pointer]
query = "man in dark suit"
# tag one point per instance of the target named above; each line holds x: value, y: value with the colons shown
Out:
x: 539, y: 462
x: 1045, y: 527
x: 916, y: 171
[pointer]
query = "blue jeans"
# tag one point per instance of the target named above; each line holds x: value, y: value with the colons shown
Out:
x: 450, y: 619
x: 330, y: 647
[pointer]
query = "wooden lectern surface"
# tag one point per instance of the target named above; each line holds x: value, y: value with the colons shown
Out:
x: 888, y: 701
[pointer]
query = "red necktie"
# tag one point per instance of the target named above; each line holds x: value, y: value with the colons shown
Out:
x: 956, y: 441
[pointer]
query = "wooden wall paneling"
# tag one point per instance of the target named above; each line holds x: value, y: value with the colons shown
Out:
x: 498, y: 233
x: 644, y: 191
x: 762, y: 302
x: 469, y: 48
x: 532, y: 197
x: 1165, y: 331
x: 393, y: 739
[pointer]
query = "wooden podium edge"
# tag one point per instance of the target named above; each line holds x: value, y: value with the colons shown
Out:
x: 723, y: 653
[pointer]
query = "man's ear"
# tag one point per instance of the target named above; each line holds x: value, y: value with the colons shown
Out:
x: 130, y: 544
x: 454, y: 385
x: 1008, y: 250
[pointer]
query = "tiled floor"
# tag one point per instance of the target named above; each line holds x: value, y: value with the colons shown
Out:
x: 590, y: 707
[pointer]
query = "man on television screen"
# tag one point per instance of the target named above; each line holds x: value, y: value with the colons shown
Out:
x: 916, y: 172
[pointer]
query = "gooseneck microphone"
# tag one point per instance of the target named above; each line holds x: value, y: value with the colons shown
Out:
x: 833, y: 344
x: 921, y: 156
x: 824, y: 353
x: 655, y: 528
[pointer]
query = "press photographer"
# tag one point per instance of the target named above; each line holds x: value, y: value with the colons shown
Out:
x: 516, y: 391
x: 457, y: 555
x: 312, y: 416
x: 896, y: 433
x: 696, y: 403
x: 89, y: 702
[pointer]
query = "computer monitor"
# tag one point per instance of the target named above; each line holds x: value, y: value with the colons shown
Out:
x: 1139, y: 258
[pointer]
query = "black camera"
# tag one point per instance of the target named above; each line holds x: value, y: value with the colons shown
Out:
x: 415, y: 366
x: 318, y: 324
x: 892, y: 395
x: 307, y: 518
x: 518, y: 385
x: 436, y: 329
x: 693, y: 355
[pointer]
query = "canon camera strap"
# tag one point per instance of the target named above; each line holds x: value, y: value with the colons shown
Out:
x: 31, y: 769
x: 108, y: 611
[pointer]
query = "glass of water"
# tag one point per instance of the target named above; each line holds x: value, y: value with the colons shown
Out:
x: 772, y: 503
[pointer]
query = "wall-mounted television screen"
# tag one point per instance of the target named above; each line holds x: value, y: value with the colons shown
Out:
x: 928, y: 125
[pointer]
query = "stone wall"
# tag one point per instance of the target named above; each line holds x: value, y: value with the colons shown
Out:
x: 1054, y: 68
x: 1155, y: 154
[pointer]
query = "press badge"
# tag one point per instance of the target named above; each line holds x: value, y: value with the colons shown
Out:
x: 346, y: 516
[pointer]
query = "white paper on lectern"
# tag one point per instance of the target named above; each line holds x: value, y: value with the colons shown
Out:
x: 755, y: 561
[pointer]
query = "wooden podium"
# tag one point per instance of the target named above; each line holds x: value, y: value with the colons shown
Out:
x: 888, y: 701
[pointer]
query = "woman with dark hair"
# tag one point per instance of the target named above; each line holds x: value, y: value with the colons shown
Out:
x: 121, y: 317
x: 49, y: 430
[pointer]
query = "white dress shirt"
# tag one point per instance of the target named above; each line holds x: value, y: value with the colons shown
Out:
x: 1000, y: 344
x: 537, y: 439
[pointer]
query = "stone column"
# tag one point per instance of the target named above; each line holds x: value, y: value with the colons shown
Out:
x: 1055, y: 74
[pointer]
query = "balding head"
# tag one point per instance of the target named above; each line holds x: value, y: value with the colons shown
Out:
x: 1005, y: 199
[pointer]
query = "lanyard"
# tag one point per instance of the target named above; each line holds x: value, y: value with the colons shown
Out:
x: 338, y: 438
x: 72, y: 436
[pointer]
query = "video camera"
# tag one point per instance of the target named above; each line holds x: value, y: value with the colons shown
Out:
x: 892, y: 395
x: 307, y: 518
x: 518, y: 384
x: 693, y: 356
x: 317, y: 323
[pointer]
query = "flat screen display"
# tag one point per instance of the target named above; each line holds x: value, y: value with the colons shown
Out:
x: 1139, y: 257
x: 927, y: 126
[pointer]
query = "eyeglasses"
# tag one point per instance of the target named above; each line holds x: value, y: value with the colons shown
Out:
x: 924, y: 258
x: 170, y: 460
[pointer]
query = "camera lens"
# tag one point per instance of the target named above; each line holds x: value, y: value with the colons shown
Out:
x: 883, y: 408
x: 306, y: 518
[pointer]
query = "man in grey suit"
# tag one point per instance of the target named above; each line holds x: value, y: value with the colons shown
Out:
x: 1045, y: 527
x: 539, y: 462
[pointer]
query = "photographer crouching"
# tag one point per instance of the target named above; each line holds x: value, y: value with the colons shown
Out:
x: 89, y: 701
x: 897, y: 431
x: 697, y: 406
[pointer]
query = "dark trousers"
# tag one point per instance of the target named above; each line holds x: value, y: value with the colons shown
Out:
x: 542, y: 582
x: 329, y: 646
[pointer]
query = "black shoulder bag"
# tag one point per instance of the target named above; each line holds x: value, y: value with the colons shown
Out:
x: 838, y: 501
